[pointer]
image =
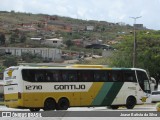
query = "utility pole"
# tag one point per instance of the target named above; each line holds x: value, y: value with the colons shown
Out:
x: 135, y: 42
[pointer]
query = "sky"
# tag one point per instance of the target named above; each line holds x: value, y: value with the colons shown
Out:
x: 102, y: 10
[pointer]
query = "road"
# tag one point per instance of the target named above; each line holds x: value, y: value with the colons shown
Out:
x: 145, y: 107
x: 138, y: 108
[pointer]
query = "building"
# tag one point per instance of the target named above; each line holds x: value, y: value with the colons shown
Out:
x: 53, y: 54
x: 55, y: 42
x: 36, y: 39
x: 89, y: 28
x: 138, y: 26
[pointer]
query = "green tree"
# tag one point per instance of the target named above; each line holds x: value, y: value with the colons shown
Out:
x: 22, y: 38
x: 13, y: 38
x: 2, y: 68
x: 148, y: 53
x: 10, y: 61
x: 122, y: 57
x: 69, y: 43
x: 30, y: 58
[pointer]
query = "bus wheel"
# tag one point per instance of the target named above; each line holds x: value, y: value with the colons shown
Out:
x: 63, y: 104
x: 131, y: 102
x: 34, y: 109
x: 49, y: 104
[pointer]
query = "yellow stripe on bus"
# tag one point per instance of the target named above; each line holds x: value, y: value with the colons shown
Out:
x: 85, y: 66
x: 12, y: 96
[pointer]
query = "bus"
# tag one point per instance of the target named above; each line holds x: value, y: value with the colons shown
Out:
x: 62, y: 87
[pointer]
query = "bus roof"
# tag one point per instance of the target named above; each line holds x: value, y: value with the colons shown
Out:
x: 76, y: 66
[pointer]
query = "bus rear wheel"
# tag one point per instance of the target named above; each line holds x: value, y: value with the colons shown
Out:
x: 49, y: 104
x: 131, y: 102
x: 63, y: 104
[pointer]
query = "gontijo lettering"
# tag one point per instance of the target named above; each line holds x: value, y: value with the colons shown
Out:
x: 69, y: 87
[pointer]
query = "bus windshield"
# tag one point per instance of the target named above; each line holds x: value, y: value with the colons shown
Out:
x: 143, y: 81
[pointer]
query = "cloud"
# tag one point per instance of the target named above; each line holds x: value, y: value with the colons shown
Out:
x: 12, y: 5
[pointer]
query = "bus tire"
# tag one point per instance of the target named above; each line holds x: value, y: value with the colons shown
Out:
x: 63, y: 104
x: 49, y: 104
x: 34, y: 109
x: 130, y: 102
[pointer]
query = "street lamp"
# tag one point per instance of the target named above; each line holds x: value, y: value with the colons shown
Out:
x: 135, y: 42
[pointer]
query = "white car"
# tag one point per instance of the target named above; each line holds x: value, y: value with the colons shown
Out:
x: 155, y: 96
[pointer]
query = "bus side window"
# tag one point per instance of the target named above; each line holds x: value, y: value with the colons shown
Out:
x: 64, y: 76
x: 72, y: 76
x: 39, y: 76
x: 129, y: 76
x: 96, y: 76
x: 31, y: 75
x: 55, y: 76
x: 24, y: 74
x: 115, y: 76
x: 48, y: 76
x: 86, y: 76
x: 100, y: 76
x: 104, y: 76
x: 28, y: 75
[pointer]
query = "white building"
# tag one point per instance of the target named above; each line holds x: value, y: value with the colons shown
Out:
x: 89, y: 28
x: 36, y: 39
x: 55, y: 42
x: 49, y: 53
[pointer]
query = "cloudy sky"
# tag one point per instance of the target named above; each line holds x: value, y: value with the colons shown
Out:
x: 106, y: 10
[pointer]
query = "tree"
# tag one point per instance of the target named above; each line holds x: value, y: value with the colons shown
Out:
x: 29, y: 57
x: 2, y: 39
x: 2, y: 68
x: 22, y: 38
x: 13, y: 38
x: 69, y: 43
x: 10, y: 61
x: 148, y: 53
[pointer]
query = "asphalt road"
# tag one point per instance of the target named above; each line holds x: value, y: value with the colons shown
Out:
x: 145, y: 107
x: 138, y: 108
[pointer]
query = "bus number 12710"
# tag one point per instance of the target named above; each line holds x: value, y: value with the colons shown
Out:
x: 33, y: 87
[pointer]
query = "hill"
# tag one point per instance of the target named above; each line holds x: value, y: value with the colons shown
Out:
x: 54, y: 26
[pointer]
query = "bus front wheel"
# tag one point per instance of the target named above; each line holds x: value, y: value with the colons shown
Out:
x: 63, y: 104
x: 49, y: 104
x: 131, y: 102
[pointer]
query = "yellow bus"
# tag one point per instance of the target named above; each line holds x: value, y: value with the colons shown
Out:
x: 59, y: 88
